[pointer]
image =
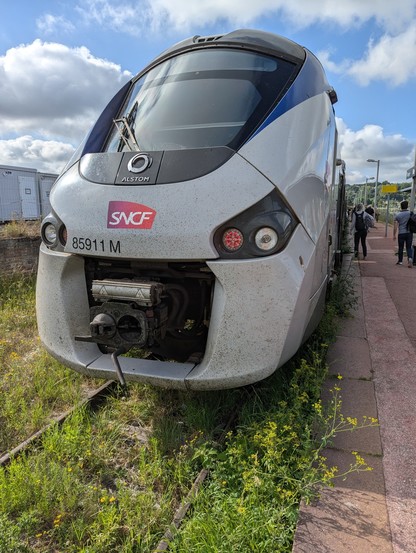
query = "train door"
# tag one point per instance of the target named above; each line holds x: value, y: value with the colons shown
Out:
x: 28, y: 197
x: 341, y: 212
x: 45, y: 185
x: 333, y: 190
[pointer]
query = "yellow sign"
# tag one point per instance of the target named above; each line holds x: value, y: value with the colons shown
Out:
x: 388, y: 188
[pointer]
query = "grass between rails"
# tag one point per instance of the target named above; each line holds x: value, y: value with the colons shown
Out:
x: 33, y: 386
x: 111, y: 481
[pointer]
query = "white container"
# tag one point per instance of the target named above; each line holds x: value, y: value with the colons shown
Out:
x: 24, y: 193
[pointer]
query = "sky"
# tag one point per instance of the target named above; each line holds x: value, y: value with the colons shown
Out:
x: 61, y: 61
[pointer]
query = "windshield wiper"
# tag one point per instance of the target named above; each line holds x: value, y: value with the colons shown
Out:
x: 123, y: 127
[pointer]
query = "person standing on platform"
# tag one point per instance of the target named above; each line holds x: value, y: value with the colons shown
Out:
x: 360, y: 223
x: 369, y: 209
x: 404, y: 237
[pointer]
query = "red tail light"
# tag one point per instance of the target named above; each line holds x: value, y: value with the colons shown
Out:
x: 232, y: 239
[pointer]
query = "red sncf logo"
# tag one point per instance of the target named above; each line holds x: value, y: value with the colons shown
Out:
x: 130, y: 215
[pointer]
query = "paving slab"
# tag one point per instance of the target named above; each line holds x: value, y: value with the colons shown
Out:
x: 344, y: 521
x: 365, y: 480
x: 357, y: 401
x: 375, y: 354
x: 353, y: 327
x: 395, y: 386
x: 356, y: 365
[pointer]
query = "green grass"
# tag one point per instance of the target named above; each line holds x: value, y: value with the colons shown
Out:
x: 112, y: 480
x: 33, y: 386
x: 105, y: 482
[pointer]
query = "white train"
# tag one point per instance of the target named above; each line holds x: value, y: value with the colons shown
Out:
x: 198, y: 224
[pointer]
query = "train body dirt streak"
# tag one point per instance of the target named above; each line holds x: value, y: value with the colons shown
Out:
x: 199, y: 221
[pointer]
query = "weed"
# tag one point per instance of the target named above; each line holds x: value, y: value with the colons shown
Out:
x: 275, y: 458
x: 343, y: 297
x: 33, y: 386
x: 112, y: 480
x: 266, y: 468
x: 20, y: 228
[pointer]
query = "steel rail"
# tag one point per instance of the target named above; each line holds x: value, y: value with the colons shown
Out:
x: 92, y: 398
x: 186, y: 504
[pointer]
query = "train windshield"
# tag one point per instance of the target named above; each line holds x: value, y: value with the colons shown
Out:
x: 204, y: 98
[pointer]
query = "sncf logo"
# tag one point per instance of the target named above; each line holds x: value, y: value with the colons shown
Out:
x: 130, y: 215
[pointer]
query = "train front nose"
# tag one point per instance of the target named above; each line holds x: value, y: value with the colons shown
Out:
x: 181, y: 292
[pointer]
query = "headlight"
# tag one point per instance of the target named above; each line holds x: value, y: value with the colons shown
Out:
x: 53, y: 233
x: 263, y: 229
x: 266, y: 239
x: 50, y: 233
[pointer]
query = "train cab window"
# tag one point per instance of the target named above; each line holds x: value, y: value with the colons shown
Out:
x: 203, y: 98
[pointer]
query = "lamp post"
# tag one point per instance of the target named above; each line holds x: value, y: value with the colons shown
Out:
x: 365, y: 190
x: 375, y: 187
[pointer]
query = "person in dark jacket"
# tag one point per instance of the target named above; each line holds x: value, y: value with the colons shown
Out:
x: 369, y: 209
x: 360, y: 223
x: 404, y: 237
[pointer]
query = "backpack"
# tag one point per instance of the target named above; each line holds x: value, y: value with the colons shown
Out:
x: 359, y: 221
x: 411, y: 223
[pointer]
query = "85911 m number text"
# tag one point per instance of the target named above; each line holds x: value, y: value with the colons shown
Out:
x: 80, y: 243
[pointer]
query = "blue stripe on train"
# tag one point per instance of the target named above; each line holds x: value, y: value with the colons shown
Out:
x: 310, y: 82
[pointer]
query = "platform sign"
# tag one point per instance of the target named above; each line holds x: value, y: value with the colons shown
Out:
x: 411, y: 172
x: 388, y: 188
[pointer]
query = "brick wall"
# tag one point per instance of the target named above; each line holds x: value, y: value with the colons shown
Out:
x: 19, y: 254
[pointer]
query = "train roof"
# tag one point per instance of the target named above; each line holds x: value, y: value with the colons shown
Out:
x: 242, y: 38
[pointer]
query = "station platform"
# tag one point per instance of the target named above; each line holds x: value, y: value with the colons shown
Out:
x: 375, y: 353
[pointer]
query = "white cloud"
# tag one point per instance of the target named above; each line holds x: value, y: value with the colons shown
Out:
x: 182, y: 15
x: 48, y: 156
x: 394, y: 151
x: 127, y: 17
x: 50, y: 92
x: 54, y: 91
x: 349, y: 13
x: 338, y: 68
x: 391, y: 59
x: 48, y: 24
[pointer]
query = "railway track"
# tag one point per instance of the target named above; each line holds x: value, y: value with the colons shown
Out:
x: 93, y: 399
x: 186, y: 504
